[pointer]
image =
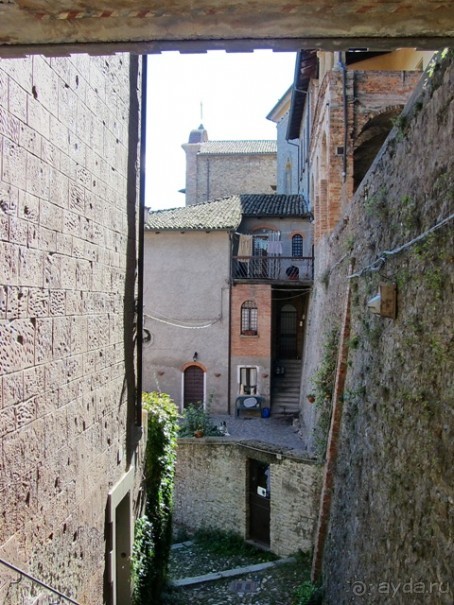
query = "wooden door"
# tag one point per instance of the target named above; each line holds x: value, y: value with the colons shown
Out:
x: 288, y: 328
x: 259, y: 501
x: 193, y: 386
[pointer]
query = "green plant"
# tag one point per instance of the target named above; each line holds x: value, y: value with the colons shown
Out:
x: 153, y: 531
x: 196, y: 419
x: 350, y: 243
x: 324, y: 278
x: 225, y: 543
x: 375, y: 205
x: 400, y: 123
x: 323, y: 382
x: 307, y: 593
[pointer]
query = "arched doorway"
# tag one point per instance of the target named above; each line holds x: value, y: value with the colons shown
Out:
x: 288, y: 332
x: 193, y: 386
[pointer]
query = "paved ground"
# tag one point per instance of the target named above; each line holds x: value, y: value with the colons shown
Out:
x: 276, y: 430
x: 271, y: 586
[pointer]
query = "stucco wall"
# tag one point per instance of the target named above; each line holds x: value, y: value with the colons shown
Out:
x: 186, y: 305
x: 65, y: 332
x: 288, y: 167
x: 211, y: 490
x: 391, y: 516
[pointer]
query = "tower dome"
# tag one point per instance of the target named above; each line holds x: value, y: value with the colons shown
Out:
x: 198, y: 135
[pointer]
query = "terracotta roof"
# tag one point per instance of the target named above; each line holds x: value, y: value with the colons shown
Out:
x: 237, y: 147
x: 258, y: 204
x: 226, y: 213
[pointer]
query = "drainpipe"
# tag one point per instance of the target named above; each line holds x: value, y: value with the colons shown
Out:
x: 140, y: 260
x: 298, y: 145
x: 229, y: 360
x: 344, y: 94
x: 326, y: 494
x: 208, y: 180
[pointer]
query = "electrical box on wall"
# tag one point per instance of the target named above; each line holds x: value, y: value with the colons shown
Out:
x: 385, y: 302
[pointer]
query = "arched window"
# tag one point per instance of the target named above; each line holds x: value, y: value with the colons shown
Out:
x: 297, y: 245
x: 249, y: 318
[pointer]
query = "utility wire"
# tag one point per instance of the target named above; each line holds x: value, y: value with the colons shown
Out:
x: 176, y: 325
x: 381, y: 260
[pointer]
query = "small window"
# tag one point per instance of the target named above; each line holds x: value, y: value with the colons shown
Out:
x: 249, y: 318
x: 248, y: 381
x: 297, y: 245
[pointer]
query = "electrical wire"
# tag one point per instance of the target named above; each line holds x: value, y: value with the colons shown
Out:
x: 177, y: 325
x: 383, y: 257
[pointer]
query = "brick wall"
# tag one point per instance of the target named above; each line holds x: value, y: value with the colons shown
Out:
x: 374, y: 93
x: 211, y: 491
x: 66, y: 224
x: 251, y: 346
x: 251, y: 350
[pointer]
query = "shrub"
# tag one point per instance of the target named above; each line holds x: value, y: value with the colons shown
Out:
x: 196, y: 419
x: 308, y: 594
x: 153, y: 531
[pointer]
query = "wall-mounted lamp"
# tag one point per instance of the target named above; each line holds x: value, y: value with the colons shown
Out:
x: 195, y: 356
x: 385, y: 302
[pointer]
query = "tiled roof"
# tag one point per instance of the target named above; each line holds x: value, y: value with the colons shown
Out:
x: 237, y: 147
x: 261, y: 204
x: 226, y: 213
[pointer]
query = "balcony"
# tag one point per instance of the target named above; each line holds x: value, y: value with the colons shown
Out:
x: 273, y: 268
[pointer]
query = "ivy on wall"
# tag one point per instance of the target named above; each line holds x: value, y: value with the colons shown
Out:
x: 153, y: 531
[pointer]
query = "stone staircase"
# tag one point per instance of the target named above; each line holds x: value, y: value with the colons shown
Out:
x: 285, y: 393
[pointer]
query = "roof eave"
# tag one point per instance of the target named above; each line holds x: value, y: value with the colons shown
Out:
x: 305, y: 68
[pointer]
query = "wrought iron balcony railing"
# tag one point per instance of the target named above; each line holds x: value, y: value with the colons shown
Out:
x: 273, y: 268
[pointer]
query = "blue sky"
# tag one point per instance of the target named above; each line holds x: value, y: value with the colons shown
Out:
x: 236, y: 91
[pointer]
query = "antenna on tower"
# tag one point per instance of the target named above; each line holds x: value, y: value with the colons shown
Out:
x: 201, y: 112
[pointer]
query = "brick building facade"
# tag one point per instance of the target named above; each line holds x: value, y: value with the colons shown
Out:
x: 343, y: 107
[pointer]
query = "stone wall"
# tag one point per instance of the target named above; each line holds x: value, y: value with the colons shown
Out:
x: 211, y: 490
x: 68, y: 140
x: 224, y: 175
x: 391, y: 517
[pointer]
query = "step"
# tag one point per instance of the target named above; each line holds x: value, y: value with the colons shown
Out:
x: 229, y: 573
